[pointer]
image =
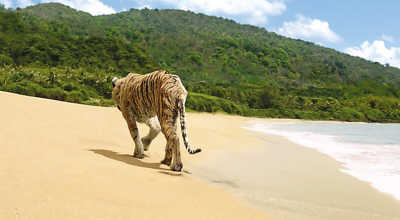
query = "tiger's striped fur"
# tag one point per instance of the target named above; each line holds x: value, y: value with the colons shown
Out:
x: 155, y: 99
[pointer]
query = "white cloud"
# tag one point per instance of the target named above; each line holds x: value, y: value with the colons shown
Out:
x: 94, y: 7
x: 377, y: 51
x: 16, y: 3
x: 6, y: 3
x: 254, y: 12
x: 308, y: 29
x: 24, y: 3
x: 145, y: 6
x: 387, y: 38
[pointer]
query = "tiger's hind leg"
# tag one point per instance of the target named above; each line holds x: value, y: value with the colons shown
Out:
x: 168, y: 155
x: 155, y: 129
x: 133, y: 129
x: 172, y: 151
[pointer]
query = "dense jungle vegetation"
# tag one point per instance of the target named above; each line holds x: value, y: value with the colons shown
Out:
x: 53, y: 51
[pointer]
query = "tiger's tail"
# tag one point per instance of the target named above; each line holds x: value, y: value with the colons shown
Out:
x: 181, y: 107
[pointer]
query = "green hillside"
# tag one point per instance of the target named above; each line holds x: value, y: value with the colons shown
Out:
x: 228, y: 67
x: 40, y: 59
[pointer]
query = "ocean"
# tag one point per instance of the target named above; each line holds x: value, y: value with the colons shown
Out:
x: 367, y: 151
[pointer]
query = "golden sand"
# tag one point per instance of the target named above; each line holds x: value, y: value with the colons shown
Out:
x: 68, y: 161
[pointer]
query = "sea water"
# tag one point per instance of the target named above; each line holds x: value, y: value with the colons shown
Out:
x: 368, y: 151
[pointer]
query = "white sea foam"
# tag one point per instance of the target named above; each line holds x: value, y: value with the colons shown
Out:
x: 373, y: 163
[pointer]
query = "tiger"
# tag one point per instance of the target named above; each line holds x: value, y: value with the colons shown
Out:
x: 154, y: 99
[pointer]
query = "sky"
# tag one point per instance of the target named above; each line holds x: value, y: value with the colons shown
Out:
x: 366, y: 28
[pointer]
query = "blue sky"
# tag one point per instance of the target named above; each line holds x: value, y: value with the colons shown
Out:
x: 369, y: 29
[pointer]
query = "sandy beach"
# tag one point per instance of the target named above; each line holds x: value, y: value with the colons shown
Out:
x: 69, y: 161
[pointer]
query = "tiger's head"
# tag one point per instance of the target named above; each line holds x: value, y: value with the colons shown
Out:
x: 116, y: 90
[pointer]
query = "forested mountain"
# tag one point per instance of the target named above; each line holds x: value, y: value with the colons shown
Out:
x: 200, y: 45
x: 226, y: 66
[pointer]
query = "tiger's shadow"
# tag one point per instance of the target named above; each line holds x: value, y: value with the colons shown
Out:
x: 128, y: 159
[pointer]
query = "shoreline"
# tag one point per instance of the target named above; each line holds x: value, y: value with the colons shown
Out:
x: 70, y: 161
x: 328, y: 193
x: 351, y: 153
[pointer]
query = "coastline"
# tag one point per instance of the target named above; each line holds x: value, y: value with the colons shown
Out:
x: 297, y: 182
x: 69, y: 161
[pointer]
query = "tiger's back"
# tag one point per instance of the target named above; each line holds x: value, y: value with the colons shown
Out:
x: 152, y: 94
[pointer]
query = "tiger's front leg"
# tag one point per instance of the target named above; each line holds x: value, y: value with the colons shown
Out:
x: 133, y: 129
x: 155, y: 129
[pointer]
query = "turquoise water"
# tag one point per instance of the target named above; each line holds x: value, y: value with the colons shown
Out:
x: 369, y: 152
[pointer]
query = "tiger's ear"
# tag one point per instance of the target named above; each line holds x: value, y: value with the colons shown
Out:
x: 114, y: 81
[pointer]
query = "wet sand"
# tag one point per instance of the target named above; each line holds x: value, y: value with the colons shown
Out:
x: 294, y: 182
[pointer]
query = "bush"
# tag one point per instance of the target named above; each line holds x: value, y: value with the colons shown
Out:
x: 5, y: 60
x: 349, y: 114
x: 206, y: 103
x: 74, y: 96
x: 374, y: 115
x: 56, y: 93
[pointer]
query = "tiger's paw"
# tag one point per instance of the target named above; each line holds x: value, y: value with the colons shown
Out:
x: 138, y: 155
x: 166, y: 162
x: 177, y: 167
x: 146, y: 143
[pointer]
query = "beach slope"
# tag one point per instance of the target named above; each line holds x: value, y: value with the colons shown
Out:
x: 67, y: 161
